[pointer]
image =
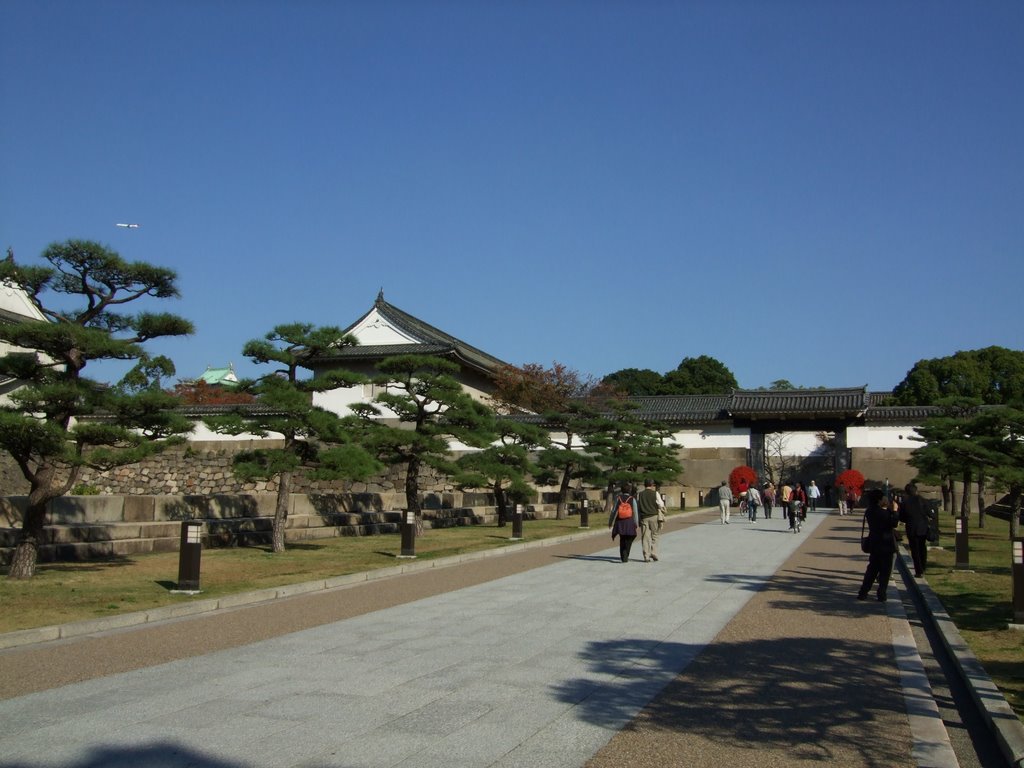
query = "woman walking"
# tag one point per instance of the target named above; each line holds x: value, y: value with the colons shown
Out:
x: 624, y: 521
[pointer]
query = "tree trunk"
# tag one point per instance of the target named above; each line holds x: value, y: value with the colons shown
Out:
x: 412, y: 492
x: 284, y: 493
x: 981, y: 499
x: 26, y: 553
x: 952, y: 497
x: 32, y: 535
x: 501, y: 501
x: 563, y: 494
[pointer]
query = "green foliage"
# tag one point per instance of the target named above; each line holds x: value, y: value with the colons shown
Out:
x: 635, y: 382
x: 59, y: 420
x: 993, y: 375
x: 627, y: 449
x: 431, y: 408
x: 702, y: 375
x: 317, y: 442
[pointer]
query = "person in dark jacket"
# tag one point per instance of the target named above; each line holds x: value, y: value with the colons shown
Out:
x: 914, y: 516
x: 624, y: 527
x: 881, y: 524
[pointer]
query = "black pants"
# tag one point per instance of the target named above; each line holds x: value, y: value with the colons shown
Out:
x: 880, y: 568
x: 918, y: 546
x: 625, y: 544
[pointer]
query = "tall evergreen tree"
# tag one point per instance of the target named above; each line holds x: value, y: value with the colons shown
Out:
x: 317, y: 442
x: 421, y: 393
x: 48, y: 429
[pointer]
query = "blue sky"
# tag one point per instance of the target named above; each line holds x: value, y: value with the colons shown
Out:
x: 824, y: 192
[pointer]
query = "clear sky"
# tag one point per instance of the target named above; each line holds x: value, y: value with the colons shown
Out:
x: 824, y: 192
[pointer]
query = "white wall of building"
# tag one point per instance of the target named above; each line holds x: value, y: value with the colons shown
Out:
x: 884, y: 436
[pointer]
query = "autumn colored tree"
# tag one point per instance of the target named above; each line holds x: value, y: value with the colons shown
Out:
x: 201, y: 393
x: 741, y: 478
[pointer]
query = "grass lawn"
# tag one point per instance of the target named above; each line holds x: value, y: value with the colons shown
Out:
x: 979, y: 601
x: 65, y: 592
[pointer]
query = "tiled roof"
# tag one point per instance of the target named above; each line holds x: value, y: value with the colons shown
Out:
x: 751, y: 403
x: 683, y: 409
x: 432, y: 341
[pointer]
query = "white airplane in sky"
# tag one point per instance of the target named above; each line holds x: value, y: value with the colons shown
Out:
x: 128, y: 226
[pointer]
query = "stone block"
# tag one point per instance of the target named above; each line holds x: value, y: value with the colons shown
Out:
x: 139, y: 509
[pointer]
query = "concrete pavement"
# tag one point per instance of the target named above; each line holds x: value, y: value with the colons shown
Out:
x: 551, y: 666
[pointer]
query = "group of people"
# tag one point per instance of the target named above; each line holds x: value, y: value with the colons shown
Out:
x: 794, y: 501
x: 643, y: 514
x: 640, y: 514
x: 883, y: 515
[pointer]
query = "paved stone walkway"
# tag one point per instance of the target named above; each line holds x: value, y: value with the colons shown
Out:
x: 742, y: 646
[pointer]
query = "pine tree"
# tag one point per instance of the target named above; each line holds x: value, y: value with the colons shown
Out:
x: 317, y: 442
x: 431, y: 408
x: 61, y: 421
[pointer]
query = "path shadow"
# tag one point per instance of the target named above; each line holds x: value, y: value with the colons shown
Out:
x: 811, y: 697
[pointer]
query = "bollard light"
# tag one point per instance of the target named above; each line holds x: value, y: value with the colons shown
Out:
x: 408, y: 535
x: 963, y: 549
x: 1017, y: 571
x: 190, y: 551
x: 585, y: 513
x: 517, y: 523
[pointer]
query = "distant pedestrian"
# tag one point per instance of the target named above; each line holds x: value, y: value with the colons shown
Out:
x: 651, y: 508
x: 813, y: 494
x: 624, y: 520
x: 914, y: 516
x: 797, y: 503
x: 841, y: 494
x: 753, y: 502
x: 881, y: 522
x: 768, y: 494
x: 724, y: 501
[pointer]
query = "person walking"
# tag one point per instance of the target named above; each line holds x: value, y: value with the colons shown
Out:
x: 841, y: 500
x: 753, y: 502
x: 881, y: 522
x: 797, y: 502
x: 650, y: 506
x: 813, y: 494
x: 768, y: 494
x: 914, y: 516
x: 724, y: 501
x: 624, y: 521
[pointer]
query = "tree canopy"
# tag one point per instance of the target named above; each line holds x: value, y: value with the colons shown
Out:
x: 703, y: 375
x: 993, y: 375
x: 317, y: 442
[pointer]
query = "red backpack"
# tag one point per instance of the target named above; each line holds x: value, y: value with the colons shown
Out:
x: 625, y: 507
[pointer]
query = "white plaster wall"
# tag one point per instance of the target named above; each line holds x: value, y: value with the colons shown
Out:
x: 889, y: 436
x: 374, y: 330
x: 202, y: 433
x: 715, y: 437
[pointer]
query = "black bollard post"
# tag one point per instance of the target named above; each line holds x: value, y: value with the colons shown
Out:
x: 585, y: 513
x: 517, y: 523
x: 1018, y: 580
x: 190, y: 553
x: 963, y: 550
x: 408, y: 535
